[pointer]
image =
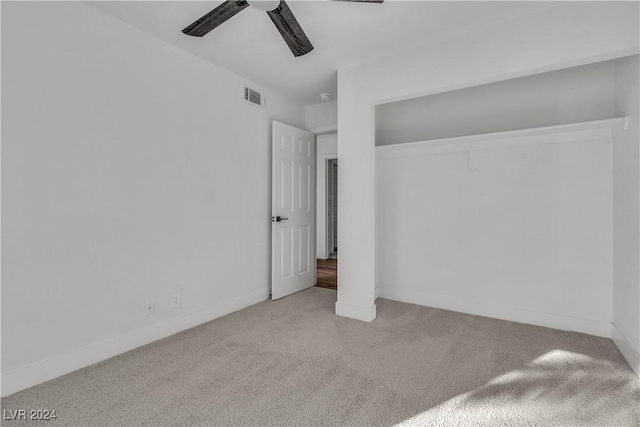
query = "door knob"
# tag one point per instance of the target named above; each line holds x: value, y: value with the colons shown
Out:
x: 278, y: 218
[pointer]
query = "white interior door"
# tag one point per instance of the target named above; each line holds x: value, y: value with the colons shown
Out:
x: 293, y: 232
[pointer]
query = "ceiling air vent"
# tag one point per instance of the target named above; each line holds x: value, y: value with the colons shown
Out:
x: 253, y: 96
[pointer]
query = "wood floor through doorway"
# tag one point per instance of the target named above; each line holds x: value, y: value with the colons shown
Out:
x: 328, y: 274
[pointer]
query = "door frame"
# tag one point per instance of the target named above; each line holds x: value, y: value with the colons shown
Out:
x: 332, y: 216
x: 325, y: 214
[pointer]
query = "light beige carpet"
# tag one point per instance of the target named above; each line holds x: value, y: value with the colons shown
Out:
x: 293, y: 362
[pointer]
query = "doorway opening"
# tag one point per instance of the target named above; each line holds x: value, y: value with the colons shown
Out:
x: 332, y: 208
x: 327, y: 266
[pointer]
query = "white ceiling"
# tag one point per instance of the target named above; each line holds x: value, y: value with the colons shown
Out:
x: 342, y: 33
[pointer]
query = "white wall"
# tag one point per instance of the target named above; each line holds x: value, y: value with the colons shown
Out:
x: 131, y: 170
x: 563, y: 35
x: 527, y: 236
x: 558, y: 97
x: 327, y: 148
x: 322, y: 117
x: 626, y: 213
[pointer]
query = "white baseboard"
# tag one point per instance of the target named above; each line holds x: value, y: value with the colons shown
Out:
x: 625, y: 347
x: 48, y: 369
x: 366, y: 314
x: 514, y: 314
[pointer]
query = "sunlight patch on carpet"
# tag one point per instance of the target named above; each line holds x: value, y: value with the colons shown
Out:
x: 548, y: 388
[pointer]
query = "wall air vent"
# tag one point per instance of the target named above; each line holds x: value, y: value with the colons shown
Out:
x: 253, y: 96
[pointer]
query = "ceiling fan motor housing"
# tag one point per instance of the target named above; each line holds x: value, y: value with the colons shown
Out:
x: 264, y: 5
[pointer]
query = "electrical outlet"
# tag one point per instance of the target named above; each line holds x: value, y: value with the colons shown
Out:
x: 176, y: 300
x: 149, y: 307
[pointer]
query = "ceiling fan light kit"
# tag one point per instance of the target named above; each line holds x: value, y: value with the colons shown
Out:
x: 278, y: 11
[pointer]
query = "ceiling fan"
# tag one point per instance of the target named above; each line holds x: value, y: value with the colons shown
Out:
x: 278, y: 11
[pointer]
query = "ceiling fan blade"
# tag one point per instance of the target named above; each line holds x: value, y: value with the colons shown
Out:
x: 290, y: 29
x: 214, y: 18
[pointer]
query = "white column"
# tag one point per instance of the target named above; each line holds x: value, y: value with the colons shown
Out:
x: 356, y: 201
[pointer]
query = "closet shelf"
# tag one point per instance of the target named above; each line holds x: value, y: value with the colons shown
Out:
x: 596, y: 130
